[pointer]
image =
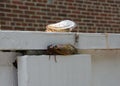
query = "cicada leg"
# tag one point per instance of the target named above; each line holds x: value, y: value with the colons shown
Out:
x: 55, y: 58
x: 49, y: 57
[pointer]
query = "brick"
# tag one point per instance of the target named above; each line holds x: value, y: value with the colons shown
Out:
x: 108, y: 18
x: 41, y: 21
x: 29, y: 3
x: 29, y: 20
x: 85, y: 13
x: 3, y: 22
x: 90, y: 24
x: 94, y: 13
x: 24, y: 24
x: 18, y: 24
x: 52, y: 14
x: 18, y: 19
x: 35, y: 17
x: 51, y: 21
x: 17, y: 2
x: 51, y: 6
x: 40, y: 13
x: 117, y: 1
x: 99, y: 25
x: 23, y: 7
x: 36, y: 25
x: 46, y: 17
x: 66, y: 3
x: 29, y: 24
x: 89, y: 9
x: 30, y: 12
x: 6, y: 18
x: 95, y: 21
x: 57, y: 18
x: 2, y: 14
x: 90, y: 15
x: 68, y: 11
x: 103, y: 21
x: 6, y: 28
x: 79, y: 1
x: 87, y: 2
x: 12, y: 15
x: 99, y: 17
x: 40, y: 4
x: 61, y: 2
x: 4, y: 1
x: 24, y: 16
x: 2, y: 5
x: 5, y: 10
x: 34, y: 8
x: 45, y: 9
x: 107, y: 25
x: 30, y: 29
x: 71, y: 7
x: 11, y: 6
x: 72, y: 15
x: 86, y: 20
x: 103, y: 1
x: 61, y: 7
x: 110, y: 1
x: 13, y: 23
x: 55, y: 10
x: 70, y: 0
x: 19, y: 28
x: 17, y: 11
x: 62, y: 14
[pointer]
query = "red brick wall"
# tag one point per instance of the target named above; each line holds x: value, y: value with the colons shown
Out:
x: 90, y: 15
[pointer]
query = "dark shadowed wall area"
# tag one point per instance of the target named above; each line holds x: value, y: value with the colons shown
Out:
x: 101, y: 16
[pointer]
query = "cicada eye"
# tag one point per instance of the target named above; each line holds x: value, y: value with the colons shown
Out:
x: 55, y: 46
x: 50, y: 46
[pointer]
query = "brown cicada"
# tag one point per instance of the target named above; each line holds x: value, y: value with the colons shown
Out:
x: 61, y: 49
